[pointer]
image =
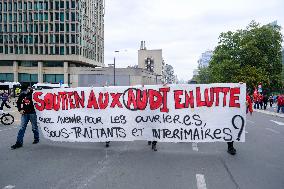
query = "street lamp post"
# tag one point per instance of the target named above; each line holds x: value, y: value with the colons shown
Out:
x: 114, y: 83
x: 114, y: 68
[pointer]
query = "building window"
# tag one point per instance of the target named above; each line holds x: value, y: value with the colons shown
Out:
x: 51, y: 50
x: 51, y: 38
x: 31, y: 50
x: 73, y: 16
x: 41, y: 16
x: 56, y: 38
x: 41, y: 27
x: 28, y: 63
x: 62, y: 38
x: 61, y: 27
x: 40, y: 5
x: 46, y: 27
x: 6, y: 76
x: 10, y: 6
x: 15, y: 6
x: 45, y: 5
x: 67, y: 27
x: 35, y: 6
x: 73, y: 4
x: 72, y: 27
x: 73, y: 50
x: 67, y: 16
x: 57, y: 27
x: 45, y: 16
x: 30, y: 5
x: 56, y: 16
x: 6, y: 63
x: 62, y: 50
x: 62, y: 4
x: 53, y: 78
x: 73, y: 38
x: 56, y: 50
x: 50, y: 27
x: 56, y: 5
x: 51, y: 5
x: 62, y: 16
x: 67, y: 38
x: 24, y: 77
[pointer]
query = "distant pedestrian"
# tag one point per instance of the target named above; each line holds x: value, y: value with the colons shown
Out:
x: 280, y: 103
x: 271, y: 100
x: 26, y: 108
x: 265, y: 101
x: 154, y: 145
x: 260, y: 100
x: 256, y: 100
x: 231, y: 150
x: 4, y: 97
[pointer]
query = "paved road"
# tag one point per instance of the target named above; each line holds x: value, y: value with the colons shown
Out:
x: 259, y: 162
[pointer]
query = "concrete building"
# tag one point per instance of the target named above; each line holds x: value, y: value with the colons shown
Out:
x: 42, y: 41
x: 97, y: 77
x: 151, y: 60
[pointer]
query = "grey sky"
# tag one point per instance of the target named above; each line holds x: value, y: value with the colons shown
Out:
x: 182, y: 28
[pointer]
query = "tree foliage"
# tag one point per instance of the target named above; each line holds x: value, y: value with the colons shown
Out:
x: 251, y: 55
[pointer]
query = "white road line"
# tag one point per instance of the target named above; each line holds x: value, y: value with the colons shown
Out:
x: 277, y: 122
x: 272, y: 130
x: 194, y: 146
x: 250, y: 121
x: 9, y: 187
x: 200, y: 181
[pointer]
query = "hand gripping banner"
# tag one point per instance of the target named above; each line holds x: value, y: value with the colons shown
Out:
x: 172, y: 113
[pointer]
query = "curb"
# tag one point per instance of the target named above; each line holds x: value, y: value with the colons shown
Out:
x: 269, y: 113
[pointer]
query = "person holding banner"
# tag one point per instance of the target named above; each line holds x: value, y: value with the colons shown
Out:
x: 231, y: 150
x: 26, y: 108
x: 154, y: 145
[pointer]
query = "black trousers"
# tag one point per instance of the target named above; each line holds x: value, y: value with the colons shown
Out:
x: 4, y: 103
x: 230, y: 145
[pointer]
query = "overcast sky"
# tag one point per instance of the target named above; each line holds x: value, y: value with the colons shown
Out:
x: 182, y: 28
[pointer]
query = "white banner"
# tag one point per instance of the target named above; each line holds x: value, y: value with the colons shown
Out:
x: 172, y: 113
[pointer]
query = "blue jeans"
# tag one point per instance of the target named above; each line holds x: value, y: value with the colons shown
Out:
x: 280, y: 107
x: 24, y: 122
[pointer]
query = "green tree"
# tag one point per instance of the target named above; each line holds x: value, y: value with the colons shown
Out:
x: 251, y: 55
x: 203, y: 75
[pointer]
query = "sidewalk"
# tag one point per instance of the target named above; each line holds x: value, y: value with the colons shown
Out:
x: 269, y: 112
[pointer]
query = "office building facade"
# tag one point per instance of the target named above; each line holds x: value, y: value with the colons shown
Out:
x: 40, y: 40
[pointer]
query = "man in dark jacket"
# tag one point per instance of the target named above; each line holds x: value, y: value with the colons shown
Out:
x: 26, y: 108
x: 5, y: 98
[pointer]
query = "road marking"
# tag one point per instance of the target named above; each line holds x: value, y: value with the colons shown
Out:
x: 200, y: 181
x: 9, y: 187
x: 272, y: 130
x: 250, y: 121
x: 246, y: 132
x: 277, y: 122
x: 194, y: 146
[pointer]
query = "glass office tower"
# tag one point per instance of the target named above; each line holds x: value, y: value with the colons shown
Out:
x: 46, y: 34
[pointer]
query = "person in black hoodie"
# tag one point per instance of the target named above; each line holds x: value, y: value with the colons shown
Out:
x: 26, y: 108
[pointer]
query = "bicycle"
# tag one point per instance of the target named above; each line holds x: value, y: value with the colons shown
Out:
x: 6, y: 118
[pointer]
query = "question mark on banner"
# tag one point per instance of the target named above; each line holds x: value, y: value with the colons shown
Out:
x: 242, y: 126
